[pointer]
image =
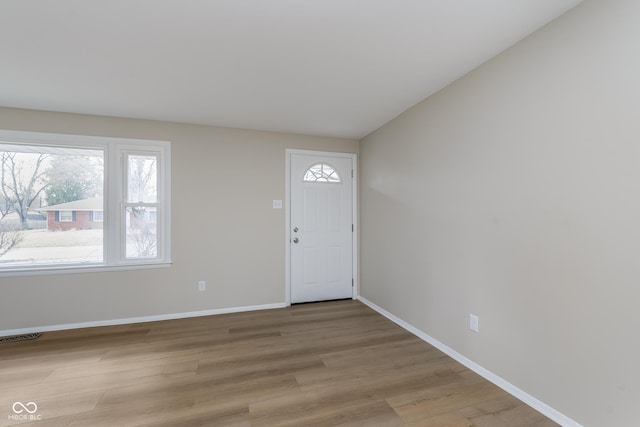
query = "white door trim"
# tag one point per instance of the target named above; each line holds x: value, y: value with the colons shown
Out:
x: 287, y: 205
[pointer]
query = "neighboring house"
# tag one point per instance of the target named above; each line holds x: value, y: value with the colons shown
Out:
x: 36, y: 220
x: 79, y: 214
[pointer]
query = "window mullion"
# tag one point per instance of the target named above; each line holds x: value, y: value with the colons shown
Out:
x: 113, y: 198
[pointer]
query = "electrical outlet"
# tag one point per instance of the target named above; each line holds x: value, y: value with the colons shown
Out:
x: 202, y: 285
x: 473, y: 323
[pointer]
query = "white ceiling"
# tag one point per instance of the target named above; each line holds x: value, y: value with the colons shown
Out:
x: 320, y: 67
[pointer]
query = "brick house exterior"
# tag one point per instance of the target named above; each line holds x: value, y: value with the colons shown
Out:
x: 77, y: 215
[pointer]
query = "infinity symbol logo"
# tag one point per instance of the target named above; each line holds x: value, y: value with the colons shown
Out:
x: 30, y: 407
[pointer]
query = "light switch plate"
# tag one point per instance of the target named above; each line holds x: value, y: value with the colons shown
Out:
x: 474, y: 323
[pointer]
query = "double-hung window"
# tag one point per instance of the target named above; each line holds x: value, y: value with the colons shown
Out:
x: 141, y: 204
x: 76, y: 202
x: 65, y: 216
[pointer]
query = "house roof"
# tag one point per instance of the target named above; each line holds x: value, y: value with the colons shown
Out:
x: 92, y: 204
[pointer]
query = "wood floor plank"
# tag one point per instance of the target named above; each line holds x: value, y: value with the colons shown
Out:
x: 323, y: 364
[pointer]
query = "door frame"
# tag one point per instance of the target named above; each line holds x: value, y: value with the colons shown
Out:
x: 287, y: 204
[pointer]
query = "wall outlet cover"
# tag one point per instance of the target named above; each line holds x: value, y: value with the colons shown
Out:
x: 474, y: 323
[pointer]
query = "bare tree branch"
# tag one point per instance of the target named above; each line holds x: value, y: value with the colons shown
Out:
x: 14, y: 190
x: 10, y: 236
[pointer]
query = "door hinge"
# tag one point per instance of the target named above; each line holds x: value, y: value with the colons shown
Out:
x: 352, y: 283
x: 352, y: 229
x: 351, y: 173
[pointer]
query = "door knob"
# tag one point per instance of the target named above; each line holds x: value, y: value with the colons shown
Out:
x: 295, y: 240
x: 295, y: 230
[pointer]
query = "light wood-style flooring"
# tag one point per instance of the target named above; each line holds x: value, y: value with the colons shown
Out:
x: 321, y: 364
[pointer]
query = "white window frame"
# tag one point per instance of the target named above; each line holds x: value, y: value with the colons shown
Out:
x: 114, y: 149
x: 101, y: 215
x: 65, y: 220
x: 146, y: 151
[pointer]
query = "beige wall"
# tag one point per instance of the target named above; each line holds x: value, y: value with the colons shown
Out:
x: 514, y: 194
x: 224, y: 229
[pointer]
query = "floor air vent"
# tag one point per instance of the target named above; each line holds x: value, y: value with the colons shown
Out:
x: 23, y: 337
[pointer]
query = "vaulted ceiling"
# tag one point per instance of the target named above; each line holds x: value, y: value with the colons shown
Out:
x: 338, y: 68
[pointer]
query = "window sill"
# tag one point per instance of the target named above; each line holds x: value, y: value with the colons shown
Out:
x: 75, y: 269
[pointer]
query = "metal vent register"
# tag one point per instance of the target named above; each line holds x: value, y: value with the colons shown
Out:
x: 23, y: 337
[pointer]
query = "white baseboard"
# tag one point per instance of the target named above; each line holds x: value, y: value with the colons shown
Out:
x: 128, y: 320
x: 538, y: 405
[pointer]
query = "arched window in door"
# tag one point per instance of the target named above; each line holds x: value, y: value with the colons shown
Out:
x: 322, y: 172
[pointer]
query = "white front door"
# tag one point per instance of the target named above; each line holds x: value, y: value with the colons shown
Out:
x: 321, y: 228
